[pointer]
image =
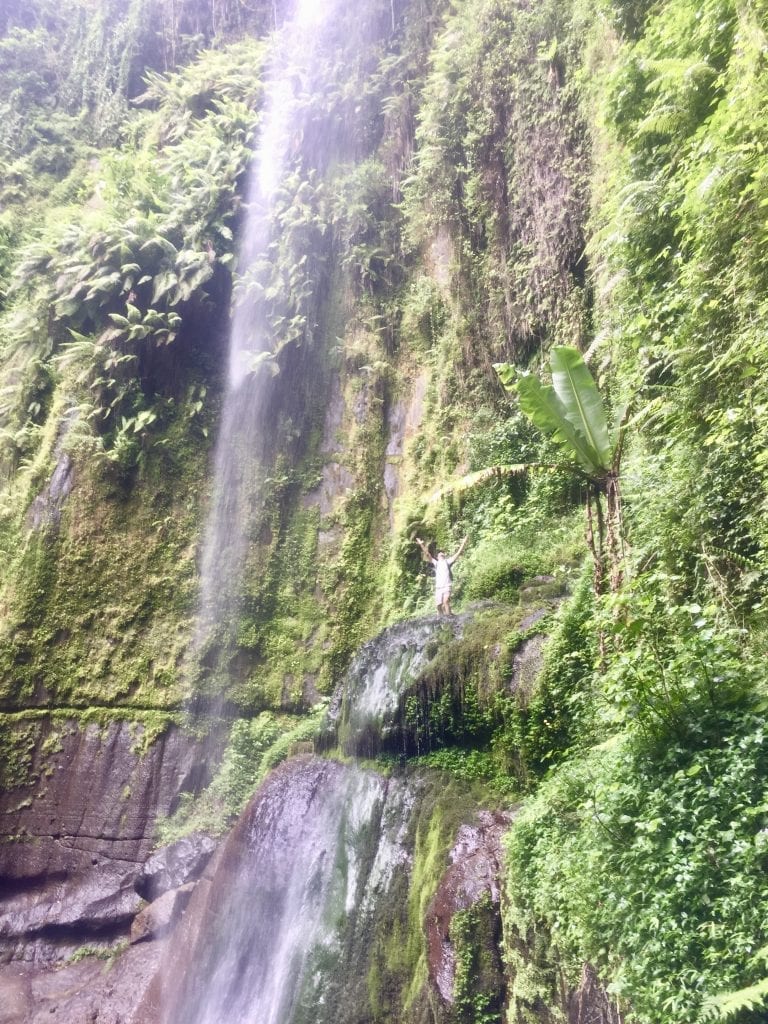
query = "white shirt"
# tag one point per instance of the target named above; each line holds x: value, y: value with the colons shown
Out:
x: 442, y: 573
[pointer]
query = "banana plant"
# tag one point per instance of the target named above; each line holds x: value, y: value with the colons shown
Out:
x: 570, y: 411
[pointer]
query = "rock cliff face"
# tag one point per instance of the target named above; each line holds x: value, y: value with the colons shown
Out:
x: 474, y: 872
x: 327, y: 861
x: 79, y: 829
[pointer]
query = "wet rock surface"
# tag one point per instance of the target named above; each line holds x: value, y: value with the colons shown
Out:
x: 45, y: 511
x: 78, y: 832
x: 158, y: 918
x: 365, y: 709
x: 474, y: 872
x: 87, y: 991
x: 175, y: 865
x: 305, y: 866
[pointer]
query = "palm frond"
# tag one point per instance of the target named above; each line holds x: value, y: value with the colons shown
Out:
x: 482, y: 476
x: 727, y: 1004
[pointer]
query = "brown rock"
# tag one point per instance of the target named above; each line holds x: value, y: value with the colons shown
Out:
x: 175, y: 865
x: 88, y: 991
x: 475, y: 870
x: 76, y: 834
x: 590, y: 1003
x: 159, y: 917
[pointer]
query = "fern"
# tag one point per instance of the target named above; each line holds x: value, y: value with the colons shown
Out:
x: 727, y: 1004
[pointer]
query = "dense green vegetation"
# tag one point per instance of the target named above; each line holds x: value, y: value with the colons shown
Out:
x: 499, y: 179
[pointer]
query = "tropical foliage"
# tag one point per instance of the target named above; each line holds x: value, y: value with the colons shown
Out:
x: 485, y: 181
x: 571, y: 413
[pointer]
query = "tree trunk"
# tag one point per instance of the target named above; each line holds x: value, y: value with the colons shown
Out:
x: 615, y: 533
x: 596, y: 538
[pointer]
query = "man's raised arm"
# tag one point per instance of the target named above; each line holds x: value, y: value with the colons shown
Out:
x: 453, y: 558
x: 424, y: 549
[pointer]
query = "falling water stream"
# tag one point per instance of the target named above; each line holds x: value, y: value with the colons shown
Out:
x: 298, y: 887
x: 243, y: 434
x: 274, y: 937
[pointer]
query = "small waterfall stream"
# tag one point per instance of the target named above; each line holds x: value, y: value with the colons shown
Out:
x: 300, y: 874
x: 243, y: 435
x: 284, y: 930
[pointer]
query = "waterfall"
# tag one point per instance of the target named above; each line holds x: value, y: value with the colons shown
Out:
x: 243, y: 436
x: 298, y: 877
x: 282, y: 930
x: 293, y: 921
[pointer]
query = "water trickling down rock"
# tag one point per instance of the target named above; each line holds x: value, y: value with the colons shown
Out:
x: 264, y: 941
x: 365, y: 711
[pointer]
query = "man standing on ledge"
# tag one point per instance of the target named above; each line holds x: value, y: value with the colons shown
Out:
x: 442, y: 575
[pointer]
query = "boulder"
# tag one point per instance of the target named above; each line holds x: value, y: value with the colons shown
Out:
x: 156, y: 920
x: 88, y: 990
x: 174, y: 865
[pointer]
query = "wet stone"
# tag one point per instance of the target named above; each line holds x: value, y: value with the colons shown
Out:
x: 365, y: 710
x: 175, y: 865
x: 159, y: 917
x: 474, y: 872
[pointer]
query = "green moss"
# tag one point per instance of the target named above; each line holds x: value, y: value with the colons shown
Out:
x: 560, y: 714
x: 464, y: 714
x: 349, y: 580
x: 31, y: 739
x: 478, y: 986
x: 255, y: 746
x: 18, y: 741
x: 397, y: 973
x: 98, y: 611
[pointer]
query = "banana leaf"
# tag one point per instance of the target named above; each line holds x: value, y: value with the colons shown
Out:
x: 544, y: 408
x: 576, y: 389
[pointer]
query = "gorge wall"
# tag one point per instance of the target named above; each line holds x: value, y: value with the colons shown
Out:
x: 462, y: 185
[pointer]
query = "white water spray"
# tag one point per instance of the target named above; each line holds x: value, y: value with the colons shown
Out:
x: 241, y: 445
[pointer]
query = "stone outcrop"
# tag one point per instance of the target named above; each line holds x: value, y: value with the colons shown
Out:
x: 474, y: 872
x: 175, y: 865
x: 90, y: 990
x: 365, y: 712
x: 156, y: 920
x: 78, y: 831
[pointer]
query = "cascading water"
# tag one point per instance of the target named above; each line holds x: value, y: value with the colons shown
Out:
x: 321, y: 841
x: 365, y: 714
x: 301, y: 875
x: 289, y: 927
x: 244, y: 432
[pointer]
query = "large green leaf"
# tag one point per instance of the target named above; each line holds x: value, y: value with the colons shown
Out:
x: 577, y: 391
x: 543, y: 407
